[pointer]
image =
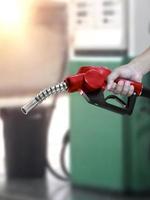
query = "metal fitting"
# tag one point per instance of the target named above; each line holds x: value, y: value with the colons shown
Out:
x: 41, y: 96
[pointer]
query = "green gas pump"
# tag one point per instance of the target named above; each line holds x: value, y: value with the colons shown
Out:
x: 109, y: 151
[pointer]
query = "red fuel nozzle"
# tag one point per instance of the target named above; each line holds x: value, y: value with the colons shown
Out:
x: 88, y: 79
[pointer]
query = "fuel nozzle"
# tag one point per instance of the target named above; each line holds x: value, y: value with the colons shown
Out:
x: 91, y: 81
x: 41, y: 96
x: 86, y: 79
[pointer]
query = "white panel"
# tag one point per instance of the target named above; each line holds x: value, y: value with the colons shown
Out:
x: 98, y: 24
x: 139, y: 26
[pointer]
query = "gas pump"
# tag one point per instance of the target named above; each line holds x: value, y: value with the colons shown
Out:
x: 109, y: 151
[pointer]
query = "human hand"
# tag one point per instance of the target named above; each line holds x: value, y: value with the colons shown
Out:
x: 128, y: 72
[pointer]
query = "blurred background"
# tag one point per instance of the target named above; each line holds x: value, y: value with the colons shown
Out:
x: 41, y: 42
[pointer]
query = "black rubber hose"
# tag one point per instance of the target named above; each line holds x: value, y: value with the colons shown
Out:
x: 62, y: 161
x: 54, y: 173
x: 66, y: 141
x: 146, y: 92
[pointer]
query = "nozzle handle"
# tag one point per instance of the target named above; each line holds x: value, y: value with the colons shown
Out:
x: 138, y: 86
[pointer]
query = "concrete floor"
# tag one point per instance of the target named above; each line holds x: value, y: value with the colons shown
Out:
x: 50, y: 188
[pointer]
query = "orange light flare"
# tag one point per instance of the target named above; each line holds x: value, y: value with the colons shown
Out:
x: 13, y: 16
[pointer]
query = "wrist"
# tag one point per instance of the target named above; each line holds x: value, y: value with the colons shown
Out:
x: 139, y: 67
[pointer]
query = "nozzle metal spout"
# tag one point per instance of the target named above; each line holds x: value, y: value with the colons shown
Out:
x: 29, y: 106
x: 61, y: 87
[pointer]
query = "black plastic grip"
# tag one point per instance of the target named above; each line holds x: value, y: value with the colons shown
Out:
x: 145, y: 92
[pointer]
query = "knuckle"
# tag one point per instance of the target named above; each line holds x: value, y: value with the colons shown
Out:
x: 121, y: 83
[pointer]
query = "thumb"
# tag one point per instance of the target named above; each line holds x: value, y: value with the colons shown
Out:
x: 111, y: 78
